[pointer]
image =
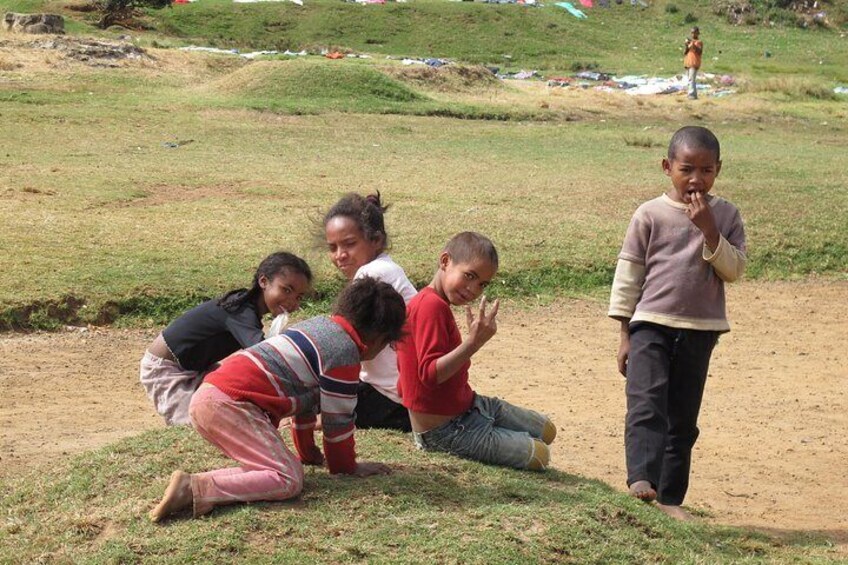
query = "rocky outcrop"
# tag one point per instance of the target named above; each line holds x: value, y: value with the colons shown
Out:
x: 34, y: 23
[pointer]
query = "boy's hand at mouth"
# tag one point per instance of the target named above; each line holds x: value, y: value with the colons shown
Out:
x: 701, y: 215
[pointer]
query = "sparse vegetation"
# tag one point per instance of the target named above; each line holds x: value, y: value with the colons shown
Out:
x: 642, y: 141
x: 791, y: 87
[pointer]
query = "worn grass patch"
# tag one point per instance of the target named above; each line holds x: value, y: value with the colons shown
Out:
x: 433, y: 508
x: 451, y: 78
x: 793, y: 88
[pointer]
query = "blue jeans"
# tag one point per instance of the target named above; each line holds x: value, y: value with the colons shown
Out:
x: 492, y: 431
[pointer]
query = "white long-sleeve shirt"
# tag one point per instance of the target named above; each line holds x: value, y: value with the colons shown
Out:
x: 382, y: 372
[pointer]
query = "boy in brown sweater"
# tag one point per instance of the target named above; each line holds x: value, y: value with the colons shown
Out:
x: 668, y: 294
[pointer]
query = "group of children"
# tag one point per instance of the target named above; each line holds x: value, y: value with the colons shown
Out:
x: 391, y: 357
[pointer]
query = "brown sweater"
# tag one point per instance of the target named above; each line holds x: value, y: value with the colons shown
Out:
x: 667, y: 275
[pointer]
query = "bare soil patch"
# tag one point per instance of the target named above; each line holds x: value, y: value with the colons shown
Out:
x: 773, y: 448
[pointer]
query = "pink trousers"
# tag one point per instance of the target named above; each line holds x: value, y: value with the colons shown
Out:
x: 243, y: 431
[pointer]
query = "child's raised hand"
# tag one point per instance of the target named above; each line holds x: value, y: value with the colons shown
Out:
x: 700, y: 213
x: 485, y: 326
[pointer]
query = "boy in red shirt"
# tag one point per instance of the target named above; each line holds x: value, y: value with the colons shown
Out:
x: 446, y: 414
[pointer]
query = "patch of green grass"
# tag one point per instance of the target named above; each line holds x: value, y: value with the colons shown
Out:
x: 328, y: 83
x: 433, y: 508
x: 642, y: 141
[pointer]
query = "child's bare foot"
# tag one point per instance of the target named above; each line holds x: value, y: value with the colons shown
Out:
x: 676, y: 512
x: 178, y: 496
x: 643, y: 491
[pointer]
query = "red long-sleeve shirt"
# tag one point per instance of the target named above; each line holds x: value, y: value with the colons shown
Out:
x: 431, y: 333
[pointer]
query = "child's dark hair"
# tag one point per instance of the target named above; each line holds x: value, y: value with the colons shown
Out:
x: 279, y: 263
x: 695, y: 137
x: 468, y: 245
x: 374, y: 308
x: 366, y: 211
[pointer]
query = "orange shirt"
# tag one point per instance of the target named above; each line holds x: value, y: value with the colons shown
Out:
x: 693, y: 56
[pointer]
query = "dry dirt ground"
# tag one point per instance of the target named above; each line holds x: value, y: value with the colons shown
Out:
x: 773, y: 452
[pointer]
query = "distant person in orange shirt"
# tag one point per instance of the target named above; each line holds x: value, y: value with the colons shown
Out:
x: 692, y: 60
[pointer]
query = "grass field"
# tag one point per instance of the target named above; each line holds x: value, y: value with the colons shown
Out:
x: 434, y: 508
x: 130, y: 192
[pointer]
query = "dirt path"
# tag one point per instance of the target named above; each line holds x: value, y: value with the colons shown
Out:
x: 773, y: 452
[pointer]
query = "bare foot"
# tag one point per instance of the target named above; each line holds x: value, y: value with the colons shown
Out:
x: 643, y: 491
x: 178, y: 496
x: 676, y: 512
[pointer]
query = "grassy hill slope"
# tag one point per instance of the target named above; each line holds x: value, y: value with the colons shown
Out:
x: 620, y: 39
x: 432, y: 509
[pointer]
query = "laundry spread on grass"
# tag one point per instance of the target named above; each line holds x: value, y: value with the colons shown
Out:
x: 634, y: 85
x: 430, y: 62
x: 298, y: 2
x: 572, y: 10
x: 249, y: 55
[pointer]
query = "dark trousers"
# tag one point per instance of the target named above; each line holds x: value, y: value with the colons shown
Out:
x: 373, y: 410
x: 666, y: 373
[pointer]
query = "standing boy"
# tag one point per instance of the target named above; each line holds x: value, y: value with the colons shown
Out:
x: 692, y: 60
x: 668, y: 294
x: 433, y: 360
